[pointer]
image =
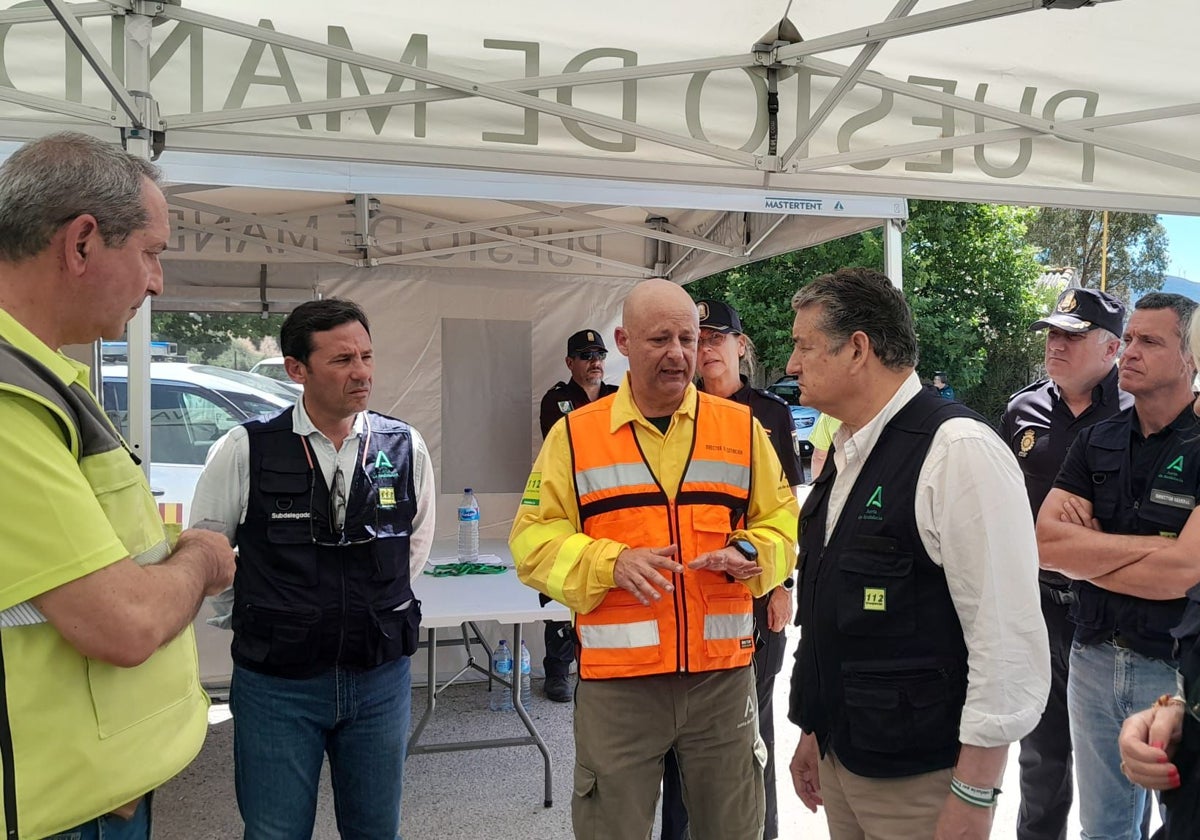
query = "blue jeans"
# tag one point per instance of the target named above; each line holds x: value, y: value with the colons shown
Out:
x: 282, y: 728
x: 109, y: 827
x: 1108, y: 683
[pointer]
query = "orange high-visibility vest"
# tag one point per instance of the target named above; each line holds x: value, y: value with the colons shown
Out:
x: 707, y: 623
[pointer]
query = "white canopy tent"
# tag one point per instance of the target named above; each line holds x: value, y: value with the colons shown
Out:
x: 489, y: 177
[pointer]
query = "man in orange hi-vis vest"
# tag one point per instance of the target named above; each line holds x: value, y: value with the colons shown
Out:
x: 657, y: 514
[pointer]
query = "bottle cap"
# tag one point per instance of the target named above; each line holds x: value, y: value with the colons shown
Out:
x: 467, y: 490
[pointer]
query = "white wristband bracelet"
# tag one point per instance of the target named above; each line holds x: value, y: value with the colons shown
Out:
x: 977, y: 796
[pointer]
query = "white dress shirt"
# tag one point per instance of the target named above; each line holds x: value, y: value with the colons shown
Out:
x: 223, y: 490
x: 973, y: 517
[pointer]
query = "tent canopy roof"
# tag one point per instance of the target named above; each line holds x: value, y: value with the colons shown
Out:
x: 983, y: 100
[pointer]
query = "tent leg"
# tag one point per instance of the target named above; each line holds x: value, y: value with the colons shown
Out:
x: 893, y: 254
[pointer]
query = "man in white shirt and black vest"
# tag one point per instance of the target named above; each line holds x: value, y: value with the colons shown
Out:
x: 923, y: 654
x: 331, y: 508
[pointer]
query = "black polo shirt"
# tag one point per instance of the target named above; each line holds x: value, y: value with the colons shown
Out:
x: 776, y: 418
x: 1138, y: 485
x: 564, y: 398
x: 1144, y: 453
x: 1039, y: 428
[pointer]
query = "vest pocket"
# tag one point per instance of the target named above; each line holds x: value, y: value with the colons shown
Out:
x: 281, y: 636
x: 901, y: 711
x: 289, y: 520
x: 619, y: 633
x: 124, y: 697
x: 877, y: 595
x: 728, y: 620
x: 397, y: 631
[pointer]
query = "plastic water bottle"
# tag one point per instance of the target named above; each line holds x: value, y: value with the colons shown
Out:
x: 500, y: 697
x: 468, y: 528
x: 526, y: 689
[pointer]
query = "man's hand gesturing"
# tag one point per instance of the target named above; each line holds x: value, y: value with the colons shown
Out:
x: 637, y: 572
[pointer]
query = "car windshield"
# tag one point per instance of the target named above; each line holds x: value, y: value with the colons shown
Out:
x: 251, y: 380
x: 272, y: 370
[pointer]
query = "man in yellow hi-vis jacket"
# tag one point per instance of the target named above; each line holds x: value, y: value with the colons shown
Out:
x: 657, y: 514
x: 100, y: 699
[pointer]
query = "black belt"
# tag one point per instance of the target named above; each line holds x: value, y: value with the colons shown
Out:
x: 1117, y: 640
x: 1062, y: 597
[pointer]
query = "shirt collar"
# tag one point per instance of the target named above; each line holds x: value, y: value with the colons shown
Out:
x: 65, y: 368
x: 1107, y: 391
x: 624, y: 409
x: 1103, y: 392
x: 302, y: 424
x: 856, y: 447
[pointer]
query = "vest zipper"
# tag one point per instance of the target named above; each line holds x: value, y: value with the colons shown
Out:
x: 681, y: 618
x: 342, y: 622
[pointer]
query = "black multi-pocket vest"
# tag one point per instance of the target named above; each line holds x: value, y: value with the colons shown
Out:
x: 881, y: 674
x: 307, y: 598
x: 1169, y: 496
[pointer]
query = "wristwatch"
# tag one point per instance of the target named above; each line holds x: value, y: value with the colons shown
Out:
x: 789, y: 583
x: 745, y: 548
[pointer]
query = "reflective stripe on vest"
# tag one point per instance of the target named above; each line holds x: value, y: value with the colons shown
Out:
x: 707, y: 623
x: 633, y: 635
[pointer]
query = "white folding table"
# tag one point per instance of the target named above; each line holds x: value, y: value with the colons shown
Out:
x: 459, y: 602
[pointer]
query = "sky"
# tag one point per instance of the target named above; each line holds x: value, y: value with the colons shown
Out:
x: 1184, y: 235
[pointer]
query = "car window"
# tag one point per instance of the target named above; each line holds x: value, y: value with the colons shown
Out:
x: 250, y: 404
x: 251, y: 380
x: 184, y: 422
x: 275, y: 371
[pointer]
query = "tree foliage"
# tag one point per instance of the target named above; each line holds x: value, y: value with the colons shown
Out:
x: 968, y: 275
x: 230, y: 339
x: 1137, y: 248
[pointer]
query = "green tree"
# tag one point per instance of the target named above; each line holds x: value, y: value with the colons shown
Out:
x: 970, y: 278
x: 1137, y: 248
x: 968, y: 275
x: 762, y: 291
x: 210, y: 336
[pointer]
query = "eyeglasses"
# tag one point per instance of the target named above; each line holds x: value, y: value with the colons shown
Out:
x: 592, y: 355
x: 715, y: 339
x: 332, y: 530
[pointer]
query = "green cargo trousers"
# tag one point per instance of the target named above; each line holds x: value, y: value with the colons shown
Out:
x: 624, y: 727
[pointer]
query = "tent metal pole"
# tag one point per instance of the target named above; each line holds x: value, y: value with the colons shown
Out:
x: 55, y: 106
x: 893, y: 253
x: 1042, y: 126
x: 484, y: 90
x: 285, y: 247
x: 79, y: 38
x: 661, y: 234
x: 842, y: 87
x: 138, y: 141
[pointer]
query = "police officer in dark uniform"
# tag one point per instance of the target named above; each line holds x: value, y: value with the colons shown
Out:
x: 1039, y: 424
x: 1127, y: 489
x: 723, y: 353
x: 585, y: 360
